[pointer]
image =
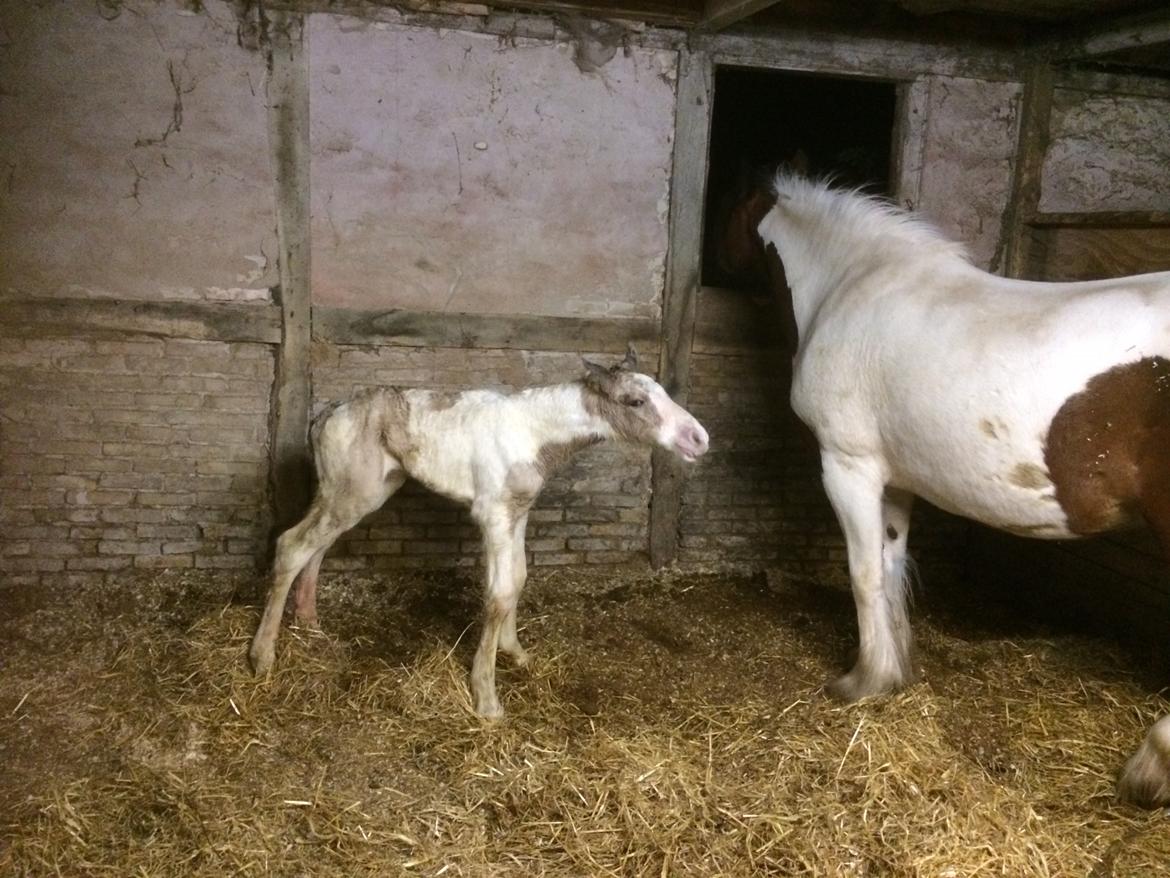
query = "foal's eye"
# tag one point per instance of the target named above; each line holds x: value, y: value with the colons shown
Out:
x: 634, y: 403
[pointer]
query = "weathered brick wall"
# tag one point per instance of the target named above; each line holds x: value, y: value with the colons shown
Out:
x: 757, y: 498
x: 595, y: 511
x: 129, y: 454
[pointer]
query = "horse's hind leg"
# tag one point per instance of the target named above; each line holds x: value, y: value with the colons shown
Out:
x: 1145, y: 780
x: 876, y: 524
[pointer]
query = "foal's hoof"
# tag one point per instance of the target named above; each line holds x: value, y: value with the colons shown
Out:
x: 1145, y: 780
x: 261, y: 660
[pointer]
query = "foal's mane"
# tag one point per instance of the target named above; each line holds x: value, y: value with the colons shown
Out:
x: 841, y: 220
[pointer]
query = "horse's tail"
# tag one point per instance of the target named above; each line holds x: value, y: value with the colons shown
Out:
x: 899, y: 580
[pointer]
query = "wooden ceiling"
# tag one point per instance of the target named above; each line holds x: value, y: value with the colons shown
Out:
x: 1126, y: 34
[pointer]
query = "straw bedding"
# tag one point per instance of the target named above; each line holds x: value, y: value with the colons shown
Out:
x: 668, y: 725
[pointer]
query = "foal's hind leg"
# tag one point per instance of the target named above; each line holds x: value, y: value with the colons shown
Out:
x: 856, y: 491
x: 509, y: 642
x: 305, y: 592
x: 339, y: 505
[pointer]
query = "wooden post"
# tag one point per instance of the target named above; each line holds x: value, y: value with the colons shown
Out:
x: 1032, y: 146
x: 288, y: 140
x: 692, y: 126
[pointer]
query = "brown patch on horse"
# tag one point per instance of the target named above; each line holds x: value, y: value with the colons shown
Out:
x: 1028, y: 475
x: 439, y: 400
x: 1108, y: 450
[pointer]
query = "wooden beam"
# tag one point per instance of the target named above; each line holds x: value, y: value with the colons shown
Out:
x: 1114, y: 84
x: 719, y: 14
x: 876, y: 57
x: 1032, y: 145
x: 116, y: 318
x: 512, y: 332
x: 1113, y: 219
x: 692, y: 128
x: 1128, y: 32
x: 288, y: 141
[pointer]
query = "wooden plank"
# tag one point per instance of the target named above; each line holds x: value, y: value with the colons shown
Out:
x: 692, y: 129
x: 1070, y: 253
x: 112, y: 318
x: 719, y: 14
x: 1032, y: 145
x: 513, y: 332
x: 288, y: 137
x: 884, y: 58
x: 1116, y: 84
x: 1130, y: 32
x: 1133, y: 219
x: 734, y: 322
x: 910, y: 140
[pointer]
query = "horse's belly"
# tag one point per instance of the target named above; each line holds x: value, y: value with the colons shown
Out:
x: 1019, y: 498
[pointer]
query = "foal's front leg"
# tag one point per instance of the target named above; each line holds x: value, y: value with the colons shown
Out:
x: 855, y: 489
x: 499, y: 601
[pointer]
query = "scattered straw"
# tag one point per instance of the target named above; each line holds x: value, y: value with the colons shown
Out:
x: 344, y: 763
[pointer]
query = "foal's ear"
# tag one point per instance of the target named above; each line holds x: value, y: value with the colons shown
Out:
x: 594, y: 371
x: 631, y: 361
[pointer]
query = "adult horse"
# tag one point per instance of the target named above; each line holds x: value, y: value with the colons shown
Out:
x: 1042, y: 409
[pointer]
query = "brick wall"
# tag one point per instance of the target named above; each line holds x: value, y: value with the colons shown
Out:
x: 117, y: 455
x: 150, y: 453
x: 595, y: 511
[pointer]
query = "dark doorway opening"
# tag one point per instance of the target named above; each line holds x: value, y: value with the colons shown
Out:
x: 762, y: 117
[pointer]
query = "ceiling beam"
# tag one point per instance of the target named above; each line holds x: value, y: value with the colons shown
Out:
x: 1129, y: 32
x: 719, y: 14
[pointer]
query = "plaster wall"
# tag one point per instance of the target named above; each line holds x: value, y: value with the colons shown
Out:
x: 1107, y: 153
x: 958, y: 158
x: 458, y: 171
x: 134, y: 160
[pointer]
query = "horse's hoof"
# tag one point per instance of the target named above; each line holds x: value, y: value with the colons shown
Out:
x: 309, y: 623
x: 490, y: 711
x: 857, y: 685
x: 1145, y: 780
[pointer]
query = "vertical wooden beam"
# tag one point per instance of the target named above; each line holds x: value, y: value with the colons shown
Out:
x: 1031, y: 147
x: 288, y: 143
x: 908, y: 150
x: 692, y: 128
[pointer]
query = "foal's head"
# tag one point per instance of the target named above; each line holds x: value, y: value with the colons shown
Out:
x: 639, y: 410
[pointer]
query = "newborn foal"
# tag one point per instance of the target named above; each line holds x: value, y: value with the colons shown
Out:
x: 488, y: 450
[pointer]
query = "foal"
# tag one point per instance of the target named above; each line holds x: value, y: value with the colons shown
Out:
x: 490, y: 451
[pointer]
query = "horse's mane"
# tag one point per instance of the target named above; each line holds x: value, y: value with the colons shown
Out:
x: 847, y: 217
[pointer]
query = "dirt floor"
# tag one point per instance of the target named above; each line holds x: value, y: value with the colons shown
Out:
x: 668, y: 725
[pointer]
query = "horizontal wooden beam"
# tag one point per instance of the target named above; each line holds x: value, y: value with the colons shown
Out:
x: 1130, y: 32
x: 719, y: 14
x: 205, y: 321
x: 870, y: 57
x: 515, y: 332
x: 1113, y: 219
x: 1115, y: 84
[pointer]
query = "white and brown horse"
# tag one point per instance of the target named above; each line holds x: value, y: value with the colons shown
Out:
x: 490, y: 451
x: 1042, y: 409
